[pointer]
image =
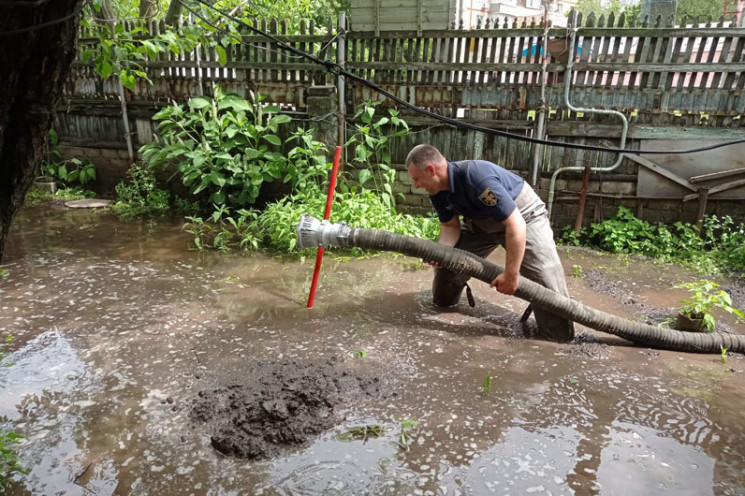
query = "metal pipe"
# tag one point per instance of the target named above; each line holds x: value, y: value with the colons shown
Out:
x: 537, y: 151
x: 568, y: 82
x: 340, y: 89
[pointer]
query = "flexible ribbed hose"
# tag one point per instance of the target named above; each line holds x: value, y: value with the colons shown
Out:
x: 471, y: 265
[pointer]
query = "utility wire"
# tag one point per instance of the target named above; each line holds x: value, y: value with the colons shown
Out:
x: 340, y: 71
x: 42, y: 25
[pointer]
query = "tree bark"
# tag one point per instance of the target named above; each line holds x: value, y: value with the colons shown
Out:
x: 148, y: 9
x: 173, y: 16
x: 37, y: 45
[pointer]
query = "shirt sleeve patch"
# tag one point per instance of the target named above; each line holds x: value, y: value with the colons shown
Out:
x: 488, y: 198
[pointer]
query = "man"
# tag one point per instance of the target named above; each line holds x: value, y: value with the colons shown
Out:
x: 498, y: 208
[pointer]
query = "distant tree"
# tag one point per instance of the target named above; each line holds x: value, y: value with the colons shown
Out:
x: 701, y: 8
x: 588, y: 6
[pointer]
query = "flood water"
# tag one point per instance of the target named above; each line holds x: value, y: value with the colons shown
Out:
x: 119, y: 326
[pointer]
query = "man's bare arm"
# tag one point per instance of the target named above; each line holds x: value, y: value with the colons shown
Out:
x: 507, y: 281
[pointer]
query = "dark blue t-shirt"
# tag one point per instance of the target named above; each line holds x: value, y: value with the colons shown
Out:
x: 478, y: 190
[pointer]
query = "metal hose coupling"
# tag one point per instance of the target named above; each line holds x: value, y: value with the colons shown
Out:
x: 313, y: 232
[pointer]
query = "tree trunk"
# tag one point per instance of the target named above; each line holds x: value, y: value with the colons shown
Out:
x: 37, y: 45
x: 173, y: 16
x: 148, y: 9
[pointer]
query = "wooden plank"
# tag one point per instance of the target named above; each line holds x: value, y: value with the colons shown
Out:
x: 717, y: 189
x: 716, y: 175
x: 738, y: 55
x: 659, y: 170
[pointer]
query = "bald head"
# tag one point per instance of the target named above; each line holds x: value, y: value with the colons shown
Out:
x: 428, y: 169
x: 423, y: 155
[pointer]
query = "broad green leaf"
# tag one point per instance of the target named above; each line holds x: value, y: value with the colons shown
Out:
x: 365, y: 175
x: 222, y: 57
x: 217, y: 179
x: 280, y: 119
x: 274, y: 140
x: 199, y: 102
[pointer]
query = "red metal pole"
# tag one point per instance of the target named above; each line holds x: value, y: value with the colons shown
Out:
x: 326, y: 216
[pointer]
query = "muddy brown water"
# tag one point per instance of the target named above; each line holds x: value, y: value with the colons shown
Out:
x: 135, y: 356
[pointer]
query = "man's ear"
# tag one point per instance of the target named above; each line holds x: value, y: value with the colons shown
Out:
x: 431, y: 169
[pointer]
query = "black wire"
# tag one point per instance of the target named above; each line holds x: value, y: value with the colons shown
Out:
x: 339, y: 71
x: 43, y: 25
x: 17, y: 3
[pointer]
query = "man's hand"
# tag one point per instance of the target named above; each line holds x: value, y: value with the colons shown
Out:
x: 506, y: 283
x: 433, y: 263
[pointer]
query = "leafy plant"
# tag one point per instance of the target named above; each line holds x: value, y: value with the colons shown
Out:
x: 724, y: 355
x: 71, y: 171
x: 372, y: 148
x: 65, y: 172
x: 221, y: 146
x: 704, y: 296
x: 223, y: 231
x: 718, y: 247
x: 139, y: 194
x: 122, y: 51
x: 306, y: 163
x: 362, y: 209
x: 9, y: 462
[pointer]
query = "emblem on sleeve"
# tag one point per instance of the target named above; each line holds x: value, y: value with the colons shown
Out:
x: 488, y: 198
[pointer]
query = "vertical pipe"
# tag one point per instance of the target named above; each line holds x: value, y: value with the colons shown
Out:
x: 341, y: 58
x: 326, y: 215
x: 125, y: 119
x: 582, y: 200
x: 538, y: 149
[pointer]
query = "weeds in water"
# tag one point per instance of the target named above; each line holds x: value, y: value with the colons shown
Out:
x: 406, y: 425
x: 578, y: 272
x: 363, y: 432
x: 4, y: 272
x: 486, y: 385
x: 9, y: 462
x: 359, y: 354
x: 724, y: 354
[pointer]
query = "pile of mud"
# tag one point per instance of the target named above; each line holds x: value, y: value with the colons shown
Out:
x: 283, y: 405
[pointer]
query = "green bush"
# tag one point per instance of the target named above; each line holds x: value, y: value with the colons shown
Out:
x: 361, y: 209
x: 718, y: 247
x: 221, y: 146
x: 140, y: 195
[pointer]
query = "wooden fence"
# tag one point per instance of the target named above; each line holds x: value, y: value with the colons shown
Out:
x: 674, y: 84
x: 618, y: 64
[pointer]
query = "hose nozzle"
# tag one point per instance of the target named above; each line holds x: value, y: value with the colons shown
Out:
x: 313, y: 232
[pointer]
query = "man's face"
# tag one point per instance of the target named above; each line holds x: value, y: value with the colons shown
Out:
x: 425, y: 178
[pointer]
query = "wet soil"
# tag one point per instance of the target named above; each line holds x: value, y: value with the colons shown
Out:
x: 283, y: 406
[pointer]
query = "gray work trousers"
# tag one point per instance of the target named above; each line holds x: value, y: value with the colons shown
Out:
x: 540, y: 264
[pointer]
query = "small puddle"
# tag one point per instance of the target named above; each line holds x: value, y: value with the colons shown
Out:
x: 124, y: 335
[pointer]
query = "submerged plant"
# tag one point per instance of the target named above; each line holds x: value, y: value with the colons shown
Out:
x: 362, y: 432
x: 406, y: 425
x: 486, y: 385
